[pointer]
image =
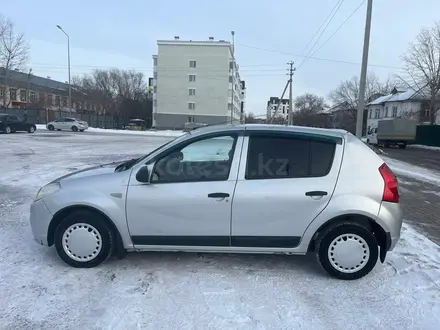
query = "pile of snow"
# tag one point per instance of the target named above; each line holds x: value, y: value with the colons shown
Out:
x: 116, y: 131
x: 421, y: 146
x: 416, y: 172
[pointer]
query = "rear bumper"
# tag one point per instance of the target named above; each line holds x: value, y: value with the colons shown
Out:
x: 391, y: 218
x: 40, y: 218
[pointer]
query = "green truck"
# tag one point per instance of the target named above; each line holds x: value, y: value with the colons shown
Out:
x: 393, y: 132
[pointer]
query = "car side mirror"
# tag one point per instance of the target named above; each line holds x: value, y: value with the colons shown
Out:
x: 143, y: 175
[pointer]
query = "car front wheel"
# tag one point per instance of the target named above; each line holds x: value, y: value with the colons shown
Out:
x: 84, y: 239
x: 8, y: 130
x: 74, y: 129
x: 50, y: 127
x: 347, y: 251
x: 31, y: 129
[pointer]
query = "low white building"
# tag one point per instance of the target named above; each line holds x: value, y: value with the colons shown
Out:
x: 400, y: 104
x: 196, y: 81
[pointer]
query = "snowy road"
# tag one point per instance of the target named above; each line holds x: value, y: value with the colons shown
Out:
x: 186, y: 291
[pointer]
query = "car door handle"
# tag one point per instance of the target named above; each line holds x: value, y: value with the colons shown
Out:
x: 316, y: 193
x: 218, y: 195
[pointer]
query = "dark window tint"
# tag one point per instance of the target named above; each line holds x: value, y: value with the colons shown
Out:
x: 273, y: 157
x: 70, y: 120
x: 321, y: 157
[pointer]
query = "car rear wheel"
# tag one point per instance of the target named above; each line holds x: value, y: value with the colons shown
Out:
x: 8, y: 130
x: 74, y: 129
x: 347, y: 251
x: 84, y: 239
x: 50, y: 128
x: 31, y: 129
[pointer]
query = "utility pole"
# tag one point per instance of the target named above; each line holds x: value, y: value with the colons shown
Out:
x: 291, y: 70
x: 363, y: 82
x: 233, y: 76
x: 68, y: 64
x: 27, y: 90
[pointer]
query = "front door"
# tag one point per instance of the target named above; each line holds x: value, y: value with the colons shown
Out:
x: 188, y: 201
x: 286, y: 182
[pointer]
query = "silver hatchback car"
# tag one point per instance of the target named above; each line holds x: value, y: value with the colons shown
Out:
x: 235, y: 189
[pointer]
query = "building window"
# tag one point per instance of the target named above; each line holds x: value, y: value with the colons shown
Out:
x: 192, y: 77
x: 229, y: 106
x: 191, y: 106
x: 155, y: 103
x: 2, y: 92
x: 377, y: 113
x: 192, y: 64
x: 231, y: 65
x: 155, y: 75
x: 13, y: 94
x: 191, y: 119
x: 64, y: 101
x: 386, y: 112
x: 154, y: 89
x: 370, y: 114
x: 32, y: 96
x: 57, y: 100
x: 49, y: 99
x: 192, y: 91
x: 23, y: 95
x: 230, y: 79
x: 427, y: 112
x: 395, y: 111
x: 155, y: 61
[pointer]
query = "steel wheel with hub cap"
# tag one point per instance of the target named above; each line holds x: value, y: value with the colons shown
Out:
x: 84, y: 239
x: 347, y: 251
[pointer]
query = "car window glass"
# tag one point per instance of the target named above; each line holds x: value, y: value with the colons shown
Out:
x: 203, y: 160
x: 70, y: 120
x: 375, y: 130
x: 214, y: 149
x: 274, y: 157
x: 59, y: 120
x: 13, y: 118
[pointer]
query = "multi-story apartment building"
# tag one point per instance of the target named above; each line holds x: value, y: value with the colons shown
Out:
x: 196, y: 81
x: 21, y: 90
x: 283, y: 110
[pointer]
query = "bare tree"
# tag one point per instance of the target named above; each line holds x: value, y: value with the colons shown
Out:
x: 309, y: 104
x: 347, y: 92
x: 423, y: 64
x: 14, y: 50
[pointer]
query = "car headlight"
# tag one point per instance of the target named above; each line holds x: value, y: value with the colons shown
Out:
x: 47, y: 190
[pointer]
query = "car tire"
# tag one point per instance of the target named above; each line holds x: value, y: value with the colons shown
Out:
x: 31, y: 129
x: 50, y: 128
x: 334, y: 242
x: 74, y: 129
x: 81, y: 130
x: 84, y: 239
x: 8, y: 130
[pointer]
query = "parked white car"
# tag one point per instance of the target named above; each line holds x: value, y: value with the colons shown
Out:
x: 71, y: 124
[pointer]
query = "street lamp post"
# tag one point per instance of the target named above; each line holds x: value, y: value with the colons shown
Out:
x: 68, y: 64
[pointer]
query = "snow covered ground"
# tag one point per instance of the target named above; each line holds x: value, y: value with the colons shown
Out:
x: 186, y: 291
x: 412, y: 171
x: 118, y: 131
x: 421, y: 146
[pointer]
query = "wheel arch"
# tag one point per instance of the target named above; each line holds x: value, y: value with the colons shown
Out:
x: 63, y: 213
x: 383, y: 238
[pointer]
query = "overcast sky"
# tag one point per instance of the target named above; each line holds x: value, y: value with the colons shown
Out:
x: 268, y: 34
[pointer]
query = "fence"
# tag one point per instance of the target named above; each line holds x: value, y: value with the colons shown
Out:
x: 44, y: 116
x: 428, y: 135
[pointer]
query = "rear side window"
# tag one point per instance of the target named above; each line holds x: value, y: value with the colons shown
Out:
x: 276, y: 157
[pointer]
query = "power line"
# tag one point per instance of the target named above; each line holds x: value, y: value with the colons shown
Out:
x: 340, y: 26
x: 320, y: 58
x: 339, y: 4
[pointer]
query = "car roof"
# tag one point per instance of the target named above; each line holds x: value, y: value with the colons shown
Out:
x: 337, y: 133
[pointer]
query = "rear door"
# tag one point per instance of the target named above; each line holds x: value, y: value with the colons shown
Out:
x: 285, y: 182
x: 14, y: 123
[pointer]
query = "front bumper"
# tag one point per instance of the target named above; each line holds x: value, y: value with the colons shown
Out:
x: 40, y: 218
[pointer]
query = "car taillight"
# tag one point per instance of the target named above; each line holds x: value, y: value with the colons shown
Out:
x: 391, y: 190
